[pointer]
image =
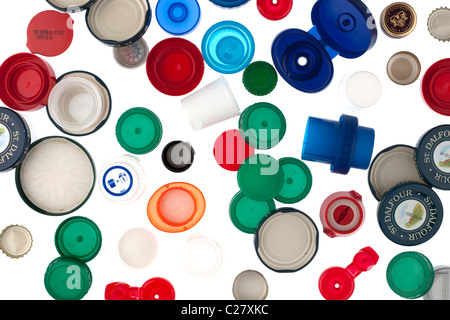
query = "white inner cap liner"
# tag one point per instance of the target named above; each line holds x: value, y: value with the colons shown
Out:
x: 250, y: 285
x: 137, y: 187
x: 69, y: 3
x: 201, y: 256
x: 343, y: 227
x: 77, y: 105
x: 439, y: 24
x: 57, y: 176
x: 287, y: 241
x: 210, y: 105
x: 360, y: 90
x: 117, y: 20
x: 403, y: 68
x: 138, y: 248
x: 393, y: 167
x: 16, y: 241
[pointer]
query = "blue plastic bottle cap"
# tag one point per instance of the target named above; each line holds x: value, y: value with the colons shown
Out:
x: 228, y: 47
x: 346, y: 26
x: 302, y: 61
x: 229, y: 3
x: 178, y: 17
x: 341, y: 143
x: 410, y: 214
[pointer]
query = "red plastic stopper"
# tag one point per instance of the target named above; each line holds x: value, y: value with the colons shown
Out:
x: 337, y: 283
x: 230, y: 150
x: 274, y: 9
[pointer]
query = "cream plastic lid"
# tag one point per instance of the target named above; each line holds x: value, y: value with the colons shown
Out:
x: 250, y: 285
x: 286, y: 240
x: 403, y: 68
x: 118, y: 22
x: 210, y: 105
x: 360, y: 90
x: 122, y: 180
x: 201, y: 256
x: 15, y: 241
x: 138, y: 248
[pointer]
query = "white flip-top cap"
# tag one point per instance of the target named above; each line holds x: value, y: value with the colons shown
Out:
x: 210, y: 105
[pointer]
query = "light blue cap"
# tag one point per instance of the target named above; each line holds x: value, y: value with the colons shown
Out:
x: 229, y: 3
x: 228, y: 47
x: 178, y: 17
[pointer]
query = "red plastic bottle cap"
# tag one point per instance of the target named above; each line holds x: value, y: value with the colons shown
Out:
x: 26, y: 82
x: 435, y: 84
x: 342, y: 214
x: 50, y: 33
x: 230, y: 150
x: 175, y: 66
x: 274, y: 9
x: 338, y: 283
x: 153, y: 289
x: 176, y: 207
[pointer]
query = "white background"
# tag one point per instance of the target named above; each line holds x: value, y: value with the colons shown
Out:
x: 400, y: 117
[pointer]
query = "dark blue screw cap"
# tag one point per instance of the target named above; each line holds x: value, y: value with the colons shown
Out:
x: 343, y: 144
x: 229, y: 3
x: 345, y: 25
x: 178, y: 17
x: 302, y: 60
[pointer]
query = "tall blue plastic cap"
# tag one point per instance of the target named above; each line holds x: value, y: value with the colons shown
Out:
x: 178, y: 17
x: 343, y: 144
x: 229, y: 3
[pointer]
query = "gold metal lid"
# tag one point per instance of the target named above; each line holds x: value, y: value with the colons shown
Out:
x: 15, y: 241
x: 398, y: 20
x: 439, y: 24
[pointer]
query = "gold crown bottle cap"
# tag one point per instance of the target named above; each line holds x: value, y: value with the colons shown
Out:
x: 439, y: 24
x: 398, y: 20
x: 15, y: 241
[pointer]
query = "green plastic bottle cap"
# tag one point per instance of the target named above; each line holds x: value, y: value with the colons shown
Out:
x: 78, y: 237
x: 67, y: 278
x: 260, y: 177
x: 262, y: 125
x: 297, y: 181
x: 246, y: 213
x: 410, y: 274
x: 139, y: 130
x: 260, y: 78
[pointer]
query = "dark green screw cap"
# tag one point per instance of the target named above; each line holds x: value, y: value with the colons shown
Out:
x: 260, y: 78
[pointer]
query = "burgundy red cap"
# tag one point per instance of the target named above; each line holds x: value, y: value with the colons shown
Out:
x: 175, y: 66
x: 435, y: 84
x: 25, y: 82
x: 50, y: 33
x: 274, y: 10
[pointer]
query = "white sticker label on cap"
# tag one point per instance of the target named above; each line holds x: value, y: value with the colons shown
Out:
x: 117, y: 181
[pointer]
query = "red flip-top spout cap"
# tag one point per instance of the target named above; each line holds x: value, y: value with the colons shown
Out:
x: 153, y: 289
x: 338, y: 283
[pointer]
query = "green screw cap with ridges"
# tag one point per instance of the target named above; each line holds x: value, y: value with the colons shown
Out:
x: 67, y: 278
x: 260, y: 78
x: 246, y: 213
x: 410, y: 274
x: 78, y: 237
x: 297, y: 181
x: 260, y: 177
x: 262, y: 125
x: 139, y: 130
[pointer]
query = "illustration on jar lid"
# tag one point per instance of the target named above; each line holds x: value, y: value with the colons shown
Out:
x: 410, y: 214
x: 15, y: 241
x: 15, y: 138
x: 57, y: 176
x: 79, y: 104
x: 392, y: 166
x: 398, y: 20
x: 286, y: 240
x: 433, y: 157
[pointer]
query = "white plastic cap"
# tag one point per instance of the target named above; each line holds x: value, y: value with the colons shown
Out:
x: 360, y: 90
x: 202, y: 257
x: 210, y: 105
x: 138, y: 248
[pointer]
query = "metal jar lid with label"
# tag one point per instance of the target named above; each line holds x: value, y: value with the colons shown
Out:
x: 398, y: 20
